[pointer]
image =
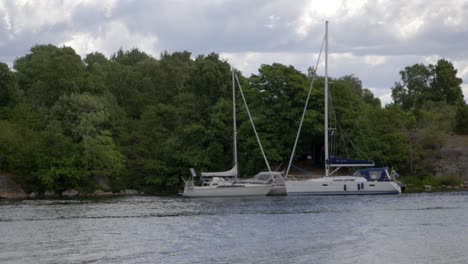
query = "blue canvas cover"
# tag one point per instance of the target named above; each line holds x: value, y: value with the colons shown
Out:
x: 345, y: 162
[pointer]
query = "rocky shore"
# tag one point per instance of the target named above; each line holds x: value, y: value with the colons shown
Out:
x: 9, y: 189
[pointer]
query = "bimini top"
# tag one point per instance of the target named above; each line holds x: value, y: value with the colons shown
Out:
x: 230, y: 173
x: 374, y: 174
x: 344, y: 162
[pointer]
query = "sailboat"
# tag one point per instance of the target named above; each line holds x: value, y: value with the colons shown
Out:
x: 363, y: 181
x: 226, y: 183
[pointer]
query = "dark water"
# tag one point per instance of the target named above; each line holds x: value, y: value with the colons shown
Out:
x: 412, y: 228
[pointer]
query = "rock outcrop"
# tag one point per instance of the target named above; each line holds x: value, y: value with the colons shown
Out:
x: 49, y: 194
x: 70, y: 193
x: 453, y: 157
x: 102, y: 193
x: 33, y: 195
x: 129, y: 192
x: 10, y: 189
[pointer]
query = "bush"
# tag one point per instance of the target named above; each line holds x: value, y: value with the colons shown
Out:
x: 416, y: 183
x: 461, y: 123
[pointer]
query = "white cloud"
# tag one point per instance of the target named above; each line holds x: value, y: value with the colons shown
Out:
x: 410, y: 28
x: 111, y: 37
x: 32, y: 16
x: 465, y: 91
x: 272, y: 21
x: 385, y: 98
x: 374, y: 60
x: 314, y: 13
x: 373, y: 40
x: 250, y: 62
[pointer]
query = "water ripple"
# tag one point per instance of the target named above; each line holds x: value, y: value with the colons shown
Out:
x: 415, y: 228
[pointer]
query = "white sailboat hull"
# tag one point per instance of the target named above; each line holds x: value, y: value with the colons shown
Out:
x: 341, y: 185
x: 227, y: 190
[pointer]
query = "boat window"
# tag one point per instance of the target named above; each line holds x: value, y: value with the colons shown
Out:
x: 375, y: 175
x: 324, y: 184
x: 371, y: 184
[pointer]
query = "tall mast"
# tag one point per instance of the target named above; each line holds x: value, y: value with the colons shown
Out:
x: 253, y: 126
x: 327, y: 166
x: 234, y: 121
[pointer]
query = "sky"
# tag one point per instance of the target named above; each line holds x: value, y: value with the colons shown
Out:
x: 373, y: 40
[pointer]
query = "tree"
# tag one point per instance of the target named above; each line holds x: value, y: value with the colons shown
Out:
x: 84, y: 119
x: 461, y: 125
x: 416, y: 81
x: 130, y: 58
x: 422, y: 83
x: 6, y: 85
x: 276, y: 97
x: 446, y: 84
x: 209, y: 80
x: 48, y: 72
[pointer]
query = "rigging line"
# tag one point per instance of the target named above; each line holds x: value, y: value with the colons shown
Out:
x: 352, y: 143
x: 253, y: 126
x: 376, y: 145
x: 345, y: 136
x: 365, y: 142
x: 338, y: 126
x: 314, y: 75
x: 330, y: 97
x: 360, y: 108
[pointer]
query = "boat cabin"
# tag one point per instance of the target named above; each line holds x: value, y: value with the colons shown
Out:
x: 374, y: 174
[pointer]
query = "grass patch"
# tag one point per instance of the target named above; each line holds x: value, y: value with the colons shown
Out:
x: 438, y: 183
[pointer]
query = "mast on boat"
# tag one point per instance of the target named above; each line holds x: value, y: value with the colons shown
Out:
x: 314, y: 75
x: 327, y: 166
x: 234, y: 121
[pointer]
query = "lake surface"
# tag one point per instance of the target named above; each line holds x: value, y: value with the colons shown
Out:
x: 408, y: 228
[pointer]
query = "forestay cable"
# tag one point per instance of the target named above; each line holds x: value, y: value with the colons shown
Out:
x: 305, y: 109
x: 253, y: 126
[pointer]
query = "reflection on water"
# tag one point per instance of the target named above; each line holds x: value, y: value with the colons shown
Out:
x: 413, y: 228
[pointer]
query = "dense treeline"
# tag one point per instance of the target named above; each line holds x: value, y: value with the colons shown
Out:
x: 134, y: 121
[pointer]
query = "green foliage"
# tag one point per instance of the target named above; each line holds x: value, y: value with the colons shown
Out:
x: 276, y: 98
x: 59, y: 161
x: 48, y: 72
x: 9, y: 144
x: 6, y: 85
x: 418, y: 183
x: 461, y: 125
x: 134, y: 121
x: 420, y: 83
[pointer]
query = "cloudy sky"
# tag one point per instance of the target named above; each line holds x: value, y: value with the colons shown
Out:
x: 373, y: 40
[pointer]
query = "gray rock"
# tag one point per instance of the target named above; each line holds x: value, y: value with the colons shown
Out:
x: 10, y: 189
x: 131, y: 192
x: 33, y: 195
x: 103, y: 182
x: 70, y: 193
x: 102, y: 193
x: 453, y: 157
x: 49, y: 193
